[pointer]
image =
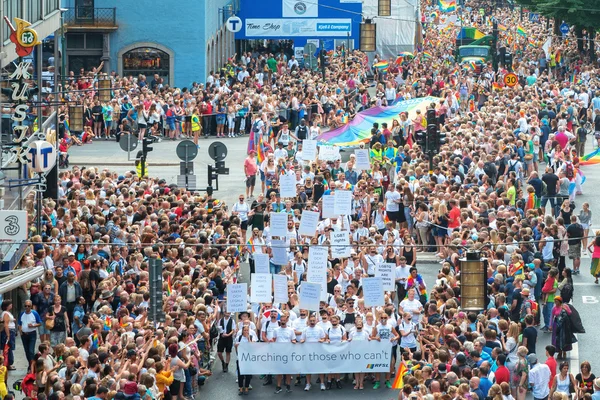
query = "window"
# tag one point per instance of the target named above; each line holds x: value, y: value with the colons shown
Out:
x: 34, y: 10
x: 384, y: 8
x: 75, y: 41
x: 94, y: 41
x: 147, y: 61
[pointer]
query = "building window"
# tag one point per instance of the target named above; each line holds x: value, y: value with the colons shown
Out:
x: 384, y: 8
x: 146, y: 61
x: 94, y: 41
x: 75, y: 41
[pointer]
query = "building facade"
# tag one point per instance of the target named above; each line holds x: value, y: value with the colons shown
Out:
x: 179, y: 43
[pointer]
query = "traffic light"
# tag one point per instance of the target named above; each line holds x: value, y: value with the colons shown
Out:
x: 324, y: 58
x: 212, y: 176
x: 146, y: 145
x: 421, y: 139
x: 220, y: 168
x: 508, y: 60
x: 431, y: 117
x: 441, y: 139
x: 432, y: 136
x: 156, y: 312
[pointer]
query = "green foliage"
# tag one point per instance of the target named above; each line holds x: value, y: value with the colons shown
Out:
x: 583, y: 13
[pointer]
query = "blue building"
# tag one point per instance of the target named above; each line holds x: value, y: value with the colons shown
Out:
x: 327, y: 22
x: 180, y: 43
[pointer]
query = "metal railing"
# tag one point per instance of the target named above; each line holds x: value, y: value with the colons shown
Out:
x: 90, y: 17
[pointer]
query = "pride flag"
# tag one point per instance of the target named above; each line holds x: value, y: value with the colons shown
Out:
x: 447, y: 5
x: 502, y: 28
x: 260, y: 150
x: 426, y: 55
x: 591, y: 158
x: 399, y: 380
x: 95, y: 341
x: 169, y: 286
x: 496, y: 86
x: 558, y: 57
x: 382, y: 66
x: 521, y: 31
x: 107, y: 323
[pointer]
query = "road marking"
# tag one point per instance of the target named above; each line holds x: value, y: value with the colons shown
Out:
x: 585, y: 284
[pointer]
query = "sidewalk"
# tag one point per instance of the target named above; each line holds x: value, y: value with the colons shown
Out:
x: 20, y: 365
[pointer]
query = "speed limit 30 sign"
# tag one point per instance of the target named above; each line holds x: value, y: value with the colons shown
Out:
x: 510, y: 80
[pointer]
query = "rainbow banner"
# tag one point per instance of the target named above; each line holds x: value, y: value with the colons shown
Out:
x: 447, y: 5
x: 470, y: 33
x: 359, y: 129
x: 591, y: 159
x: 399, y: 380
x: 502, y: 28
x: 382, y: 65
x: 521, y: 31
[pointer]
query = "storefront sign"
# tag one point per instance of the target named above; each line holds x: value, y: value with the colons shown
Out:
x: 24, y: 38
x: 272, y: 27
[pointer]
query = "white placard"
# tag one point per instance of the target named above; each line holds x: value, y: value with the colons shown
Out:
x: 261, y: 263
x: 308, y: 223
x: 329, y: 153
x: 340, y: 244
x: 309, y: 150
x: 343, y: 202
x: 13, y: 225
x: 295, y: 9
x: 387, y: 273
x: 280, y: 294
x: 260, y: 288
x: 373, y: 292
x: 279, y: 224
x: 299, y: 53
x: 310, y: 295
x: 237, y: 297
x: 280, y: 249
x: 257, y: 358
x: 287, y: 185
x: 363, y: 162
x: 317, y: 268
x: 327, y: 206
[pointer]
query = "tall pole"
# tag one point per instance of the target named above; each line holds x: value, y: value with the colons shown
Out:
x: 39, y: 60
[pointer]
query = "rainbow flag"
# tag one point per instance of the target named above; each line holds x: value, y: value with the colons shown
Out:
x: 426, y: 55
x: 447, y: 5
x: 169, y: 286
x: 502, y: 28
x: 575, y: 80
x: 399, y: 380
x: 251, y: 247
x: 345, y: 118
x: 521, y: 31
x: 95, y: 341
x: 496, y: 86
x: 434, y: 15
x: 418, y: 284
x: 415, y: 83
x: 558, y: 57
x: 382, y: 65
x: 260, y: 150
x: 591, y: 158
x: 107, y: 323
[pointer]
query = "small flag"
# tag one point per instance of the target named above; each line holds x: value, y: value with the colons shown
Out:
x: 382, y: 66
x: 95, y: 341
x: 107, y: 323
x: 521, y: 31
x: 434, y: 15
x: 169, y: 286
x: 426, y: 55
x: 502, y: 28
x: 399, y: 380
x: 386, y: 219
x: 415, y: 83
x: 496, y: 86
x: 447, y: 5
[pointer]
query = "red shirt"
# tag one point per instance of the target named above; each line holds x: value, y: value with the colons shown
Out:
x: 502, y: 375
x: 250, y: 167
x: 551, y: 363
x: 454, y: 221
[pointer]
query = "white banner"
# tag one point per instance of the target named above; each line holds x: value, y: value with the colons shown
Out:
x: 363, y: 160
x: 309, y: 150
x: 300, y: 9
x: 310, y: 296
x: 13, y: 225
x: 281, y: 27
x: 261, y: 264
x: 279, y: 248
x: 373, y: 292
x: 237, y: 297
x: 343, y: 202
x: 313, y: 358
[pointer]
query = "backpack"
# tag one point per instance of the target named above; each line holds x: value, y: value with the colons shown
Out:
x: 490, y: 170
x: 213, y: 332
x: 534, y: 307
x: 84, y: 281
x: 255, y: 126
x: 511, y: 167
x: 567, y: 293
x: 570, y: 171
x: 302, y: 131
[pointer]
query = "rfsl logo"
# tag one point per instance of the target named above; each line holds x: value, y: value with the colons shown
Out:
x: 373, y: 366
x: 300, y: 8
x: 24, y: 38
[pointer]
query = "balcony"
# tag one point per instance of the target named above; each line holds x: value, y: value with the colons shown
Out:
x: 90, y: 17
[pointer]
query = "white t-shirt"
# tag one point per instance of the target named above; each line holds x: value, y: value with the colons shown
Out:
x: 359, y: 336
x: 385, y: 333
x: 269, y: 329
x: 402, y: 272
x: 324, y: 325
x: 300, y: 325
x: 391, y: 198
x: 284, y: 335
x: 372, y: 262
x: 335, y: 334
x: 242, y: 209
x: 313, y: 334
x: 410, y: 340
x: 412, y: 306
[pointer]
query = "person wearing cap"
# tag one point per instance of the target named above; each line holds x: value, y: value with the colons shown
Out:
x: 539, y: 378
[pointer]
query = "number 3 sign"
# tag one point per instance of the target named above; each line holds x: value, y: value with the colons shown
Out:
x: 13, y: 225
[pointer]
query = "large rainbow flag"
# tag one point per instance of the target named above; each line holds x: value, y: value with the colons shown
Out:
x: 447, y: 5
x: 591, y: 159
x: 470, y: 33
x: 359, y: 129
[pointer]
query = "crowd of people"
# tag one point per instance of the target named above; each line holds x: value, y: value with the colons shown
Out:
x: 85, y: 326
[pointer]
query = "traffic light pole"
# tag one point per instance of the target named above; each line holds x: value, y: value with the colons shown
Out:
x: 143, y: 162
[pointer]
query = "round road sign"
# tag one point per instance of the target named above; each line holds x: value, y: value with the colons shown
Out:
x: 234, y: 24
x: 564, y: 28
x: 217, y: 151
x: 510, y: 80
x: 128, y: 142
x: 186, y: 150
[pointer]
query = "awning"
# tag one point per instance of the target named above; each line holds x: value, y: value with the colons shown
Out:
x: 18, y: 277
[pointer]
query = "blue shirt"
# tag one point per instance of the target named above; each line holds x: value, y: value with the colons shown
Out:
x: 38, y: 319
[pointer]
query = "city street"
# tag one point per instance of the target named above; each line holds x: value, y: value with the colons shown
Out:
x: 164, y: 163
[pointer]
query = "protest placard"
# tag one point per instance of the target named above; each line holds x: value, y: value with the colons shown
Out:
x: 280, y: 289
x: 329, y: 153
x: 327, y: 206
x: 387, y: 273
x: 279, y: 249
x: 363, y: 161
x: 373, y: 292
x: 260, y: 288
x: 279, y: 224
x: 308, y: 223
x: 309, y: 150
x: 340, y: 244
x: 343, y: 202
x: 317, y: 267
x: 310, y: 296
x: 237, y: 297
x: 261, y: 263
x: 287, y: 185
